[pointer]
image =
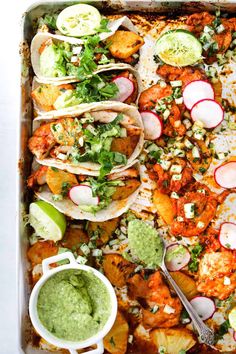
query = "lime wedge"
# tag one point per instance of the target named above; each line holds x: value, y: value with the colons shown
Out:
x: 79, y: 20
x: 47, y: 221
x: 232, y: 318
x: 178, y: 48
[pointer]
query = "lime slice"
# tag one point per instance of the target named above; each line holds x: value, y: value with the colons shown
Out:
x: 232, y: 318
x: 178, y: 48
x: 79, y: 20
x: 47, y: 221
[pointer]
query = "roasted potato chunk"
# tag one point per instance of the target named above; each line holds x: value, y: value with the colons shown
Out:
x: 173, y: 340
x: 125, y: 145
x: 164, y: 206
x: 74, y: 238
x: 45, y: 96
x: 123, y: 192
x: 41, y: 250
x: 117, y: 269
x: 104, y: 230
x: 186, y: 284
x: 58, y: 181
x: 116, y: 340
x: 124, y: 44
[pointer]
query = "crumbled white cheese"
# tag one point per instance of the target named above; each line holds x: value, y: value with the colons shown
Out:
x: 177, y: 177
x: 176, y: 169
x: 189, y: 210
x: 174, y: 195
x: 168, y: 309
x: 227, y: 281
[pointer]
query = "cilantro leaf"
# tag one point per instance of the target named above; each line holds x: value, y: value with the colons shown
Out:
x: 195, y: 252
x: 48, y: 20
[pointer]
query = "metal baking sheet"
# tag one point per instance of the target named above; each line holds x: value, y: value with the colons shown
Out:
x: 37, y: 9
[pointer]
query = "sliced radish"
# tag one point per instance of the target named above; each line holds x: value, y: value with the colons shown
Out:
x: 209, y: 112
x: 125, y: 86
x: 177, y: 258
x: 225, y: 175
x: 152, y: 125
x: 197, y: 90
x: 204, y: 306
x: 234, y: 336
x: 227, y: 235
x: 82, y: 195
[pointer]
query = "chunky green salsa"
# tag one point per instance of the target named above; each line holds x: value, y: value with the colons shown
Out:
x: 73, y: 305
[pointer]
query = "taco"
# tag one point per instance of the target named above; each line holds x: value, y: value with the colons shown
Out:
x: 56, y: 58
x: 85, y: 197
x: 121, y: 84
x: 94, y: 139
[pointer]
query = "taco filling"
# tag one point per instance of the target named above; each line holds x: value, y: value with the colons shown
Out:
x: 99, y: 87
x: 89, y: 193
x: 60, y: 59
x: 87, y: 139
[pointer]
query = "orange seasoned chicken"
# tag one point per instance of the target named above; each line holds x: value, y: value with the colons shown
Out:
x: 41, y: 250
x: 198, y: 21
x: 164, y: 181
x: 186, y: 74
x: 42, y: 141
x: 203, y: 204
x: 38, y: 177
x: 159, y: 308
x: 217, y: 274
x: 150, y: 97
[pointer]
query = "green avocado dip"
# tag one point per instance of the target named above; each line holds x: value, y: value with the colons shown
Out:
x: 145, y: 243
x: 74, y: 305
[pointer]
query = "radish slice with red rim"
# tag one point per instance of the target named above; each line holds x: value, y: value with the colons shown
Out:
x: 82, y: 195
x: 177, y: 257
x: 234, y: 336
x: 207, y: 111
x: 204, y: 306
x: 152, y: 125
x: 225, y: 175
x: 197, y: 90
x: 227, y: 235
x: 125, y: 86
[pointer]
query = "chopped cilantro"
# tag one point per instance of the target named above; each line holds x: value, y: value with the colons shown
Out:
x: 223, y: 329
x: 65, y: 188
x: 112, y: 342
x: 195, y: 252
x: 48, y: 20
x: 202, y: 169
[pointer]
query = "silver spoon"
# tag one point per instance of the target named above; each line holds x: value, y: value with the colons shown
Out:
x: 205, y: 333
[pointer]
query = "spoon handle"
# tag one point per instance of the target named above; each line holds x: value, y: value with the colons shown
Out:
x: 205, y: 333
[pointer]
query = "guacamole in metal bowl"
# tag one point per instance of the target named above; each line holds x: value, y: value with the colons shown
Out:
x: 74, y: 305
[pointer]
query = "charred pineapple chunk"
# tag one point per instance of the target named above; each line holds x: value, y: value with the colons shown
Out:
x: 45, y: 96
x: 116, y: 340
x: 173, y: 340
x: 104, y: 230
x: 164, y: 206
x: 59, y: 182
x: 125, y: 145
x: 124, y: 44
x: 186, y: 284
x: 123, y: 192
x: 66, y: 131
x: 117, y: 269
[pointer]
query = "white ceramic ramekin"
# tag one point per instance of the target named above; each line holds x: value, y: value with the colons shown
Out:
x: 49, y: 337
